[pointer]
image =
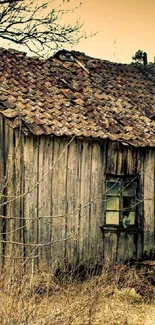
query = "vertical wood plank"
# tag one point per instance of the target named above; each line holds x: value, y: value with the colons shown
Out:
x: 59, y: 204
x: 149, y: 218
x: 131, y: 160
x: 121, y: 160
x: 2, y: 171
x: 84, y: 234
x: 44, y: 201
x: 112, y: 158
x: 18, y: 213
x: 73, y: 199
x: 110, y: 248
x: 140, y: 197
x: 31, y: 199
x: 97, y: 197
x: 126, y: 247
x: 10, y: 194
x: 13, y: 230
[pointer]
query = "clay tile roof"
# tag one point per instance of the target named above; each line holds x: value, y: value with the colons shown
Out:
x: 74, y: 94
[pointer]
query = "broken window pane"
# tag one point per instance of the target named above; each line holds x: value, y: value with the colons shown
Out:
x: 112, y: 203
x: 128, y: 219
x: 112, y: 188
x: 129, y: 188
x: 128, y: 203
x: 112, y: 218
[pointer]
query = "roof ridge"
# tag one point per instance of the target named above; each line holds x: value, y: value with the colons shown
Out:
x: 69, y: 55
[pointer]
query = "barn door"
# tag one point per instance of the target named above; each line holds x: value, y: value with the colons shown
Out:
x: 122, y: 236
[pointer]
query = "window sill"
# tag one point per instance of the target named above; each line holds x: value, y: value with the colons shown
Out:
x: 119, y: 229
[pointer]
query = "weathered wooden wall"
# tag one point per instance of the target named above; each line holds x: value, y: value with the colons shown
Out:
x: 55, y: 194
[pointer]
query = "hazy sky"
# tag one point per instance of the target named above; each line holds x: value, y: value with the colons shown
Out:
x: 123, y: 27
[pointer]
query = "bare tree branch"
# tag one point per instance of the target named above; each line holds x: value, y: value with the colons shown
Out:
x: 37, y: 26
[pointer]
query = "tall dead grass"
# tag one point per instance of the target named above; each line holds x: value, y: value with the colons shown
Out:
x: 119, y: 296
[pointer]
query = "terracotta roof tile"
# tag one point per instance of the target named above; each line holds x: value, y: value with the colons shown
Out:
x: 73, y: 94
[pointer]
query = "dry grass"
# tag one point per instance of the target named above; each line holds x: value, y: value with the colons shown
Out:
x: 119, y: 297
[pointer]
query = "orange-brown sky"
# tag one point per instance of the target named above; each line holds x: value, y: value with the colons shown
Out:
x: 123, y: 27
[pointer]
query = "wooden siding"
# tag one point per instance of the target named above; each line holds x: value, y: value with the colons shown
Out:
x: 56, y: 191
x: 2, y: 173
x: 149, y: 206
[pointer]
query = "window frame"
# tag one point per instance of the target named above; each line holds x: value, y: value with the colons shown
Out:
x: 121, y: 180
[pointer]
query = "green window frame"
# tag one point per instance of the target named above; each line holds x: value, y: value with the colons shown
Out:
x: 121, y: 201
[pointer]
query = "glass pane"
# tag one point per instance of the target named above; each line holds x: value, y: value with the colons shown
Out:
x: 112, y: 218
x: 128, y: 219
x: 112, y: 203
x: 129, y: 203
x: 129, y: 188
x: 112, y: 188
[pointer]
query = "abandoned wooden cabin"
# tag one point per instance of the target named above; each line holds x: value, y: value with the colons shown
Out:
x: 77, y: 161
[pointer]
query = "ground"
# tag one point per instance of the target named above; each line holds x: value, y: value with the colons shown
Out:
x: 117, y: 297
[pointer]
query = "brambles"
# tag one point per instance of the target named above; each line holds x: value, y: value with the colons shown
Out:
x: 119, y: 296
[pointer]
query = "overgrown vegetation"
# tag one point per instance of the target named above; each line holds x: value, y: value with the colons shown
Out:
x: 119, y: 296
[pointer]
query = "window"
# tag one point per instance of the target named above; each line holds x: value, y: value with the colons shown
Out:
x: 121, y: 201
